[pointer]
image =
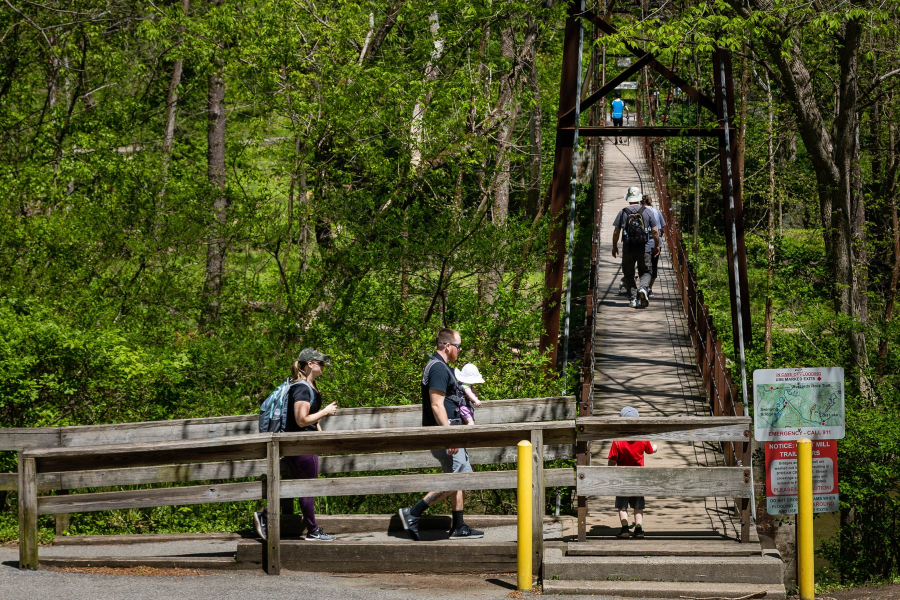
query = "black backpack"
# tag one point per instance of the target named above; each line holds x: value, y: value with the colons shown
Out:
x: 637, y: 233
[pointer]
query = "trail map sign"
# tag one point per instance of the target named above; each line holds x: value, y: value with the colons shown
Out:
x: 781, y: 477
x: 790, y: 404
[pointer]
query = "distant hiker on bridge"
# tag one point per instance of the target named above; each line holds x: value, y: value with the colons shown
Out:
x: 304, y: 413
x: 654, y: 257
x: 619, y: 109
x: 441, y: 409
x: 630, y: 454
x: 641, y: 241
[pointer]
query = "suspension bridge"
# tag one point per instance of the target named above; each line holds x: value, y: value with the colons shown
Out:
x: 665, y: 360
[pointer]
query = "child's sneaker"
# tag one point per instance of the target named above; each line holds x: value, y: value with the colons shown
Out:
x: 638, y: 531
x: 624, y: 533
x: 259, y: 523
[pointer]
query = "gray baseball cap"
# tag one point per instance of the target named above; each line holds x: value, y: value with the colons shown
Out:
x: 308, y: 354
x: 629, y: 412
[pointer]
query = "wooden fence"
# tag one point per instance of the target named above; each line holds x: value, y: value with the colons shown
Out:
x: 228, y: 458
x: 118, y: 465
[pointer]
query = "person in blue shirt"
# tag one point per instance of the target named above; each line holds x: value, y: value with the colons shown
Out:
x: 619, y: 109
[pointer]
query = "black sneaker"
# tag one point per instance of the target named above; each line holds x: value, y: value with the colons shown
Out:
x: 465, y: 532
x: 643, y: 297
x: 319, y: 535
x: 259, y: 523
x: 638, y: 531
x: 624, y: 533
x: 410, y: 523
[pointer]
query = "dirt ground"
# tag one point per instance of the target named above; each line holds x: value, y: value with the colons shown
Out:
x: 884, y: 592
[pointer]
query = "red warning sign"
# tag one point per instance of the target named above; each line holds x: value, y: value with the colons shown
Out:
x: 781, y: 477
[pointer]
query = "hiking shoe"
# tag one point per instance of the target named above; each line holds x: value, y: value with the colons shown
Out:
x: 319, y: 535
x: 643, y: 297
x: 633, y: 303
x: 650, y: 294
x: 622, y: 284
x: 638, y: 531
x: 410, y: 523
x: 259, y: 524
x: 624, y: 533
x: 465, y: 533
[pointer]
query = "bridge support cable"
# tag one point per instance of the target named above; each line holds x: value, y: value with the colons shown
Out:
x: 734, y: 255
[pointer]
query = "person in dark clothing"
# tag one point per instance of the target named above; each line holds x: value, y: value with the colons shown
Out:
x: 440, y: 408
x: 304, y: 414
x: 635, y: 251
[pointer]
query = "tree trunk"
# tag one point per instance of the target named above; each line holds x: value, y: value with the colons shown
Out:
x: 536, y: 142
x: 696, y: 236
x: 215, y: 156
x: 416, y: 133
x: 895, y: 271
x: 770, y: 253
x: 171, y: 109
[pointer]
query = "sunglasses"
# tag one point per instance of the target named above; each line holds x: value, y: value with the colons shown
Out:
x: 457, y: 346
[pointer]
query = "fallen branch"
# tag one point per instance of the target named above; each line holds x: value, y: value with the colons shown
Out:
x: 761, y: 594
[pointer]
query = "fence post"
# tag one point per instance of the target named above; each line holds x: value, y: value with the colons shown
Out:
x: 28, y: 514
x: 273, y: 507
x: 524, y: 515
x: 537, y: 501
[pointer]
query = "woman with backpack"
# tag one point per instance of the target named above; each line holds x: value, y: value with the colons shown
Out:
x: 304, y: 413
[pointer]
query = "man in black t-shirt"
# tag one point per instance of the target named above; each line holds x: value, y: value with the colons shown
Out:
x: 440, y: 408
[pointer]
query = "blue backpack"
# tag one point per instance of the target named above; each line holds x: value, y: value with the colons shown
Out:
x: 274, y: 409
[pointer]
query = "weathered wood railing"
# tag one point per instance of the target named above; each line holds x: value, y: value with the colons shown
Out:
x: 124, y: 463
x: 703, y: 482
x: 493, y: 412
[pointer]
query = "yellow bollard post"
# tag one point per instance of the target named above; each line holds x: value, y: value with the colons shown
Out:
x: 523, y: 499
x: 805, y: 574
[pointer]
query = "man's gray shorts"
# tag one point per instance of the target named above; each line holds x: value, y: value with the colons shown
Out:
x: 457, y: 463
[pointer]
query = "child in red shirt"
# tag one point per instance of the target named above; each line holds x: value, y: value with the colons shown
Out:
x: 630, y: 454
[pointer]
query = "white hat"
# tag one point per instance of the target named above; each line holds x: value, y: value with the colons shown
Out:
x: 633, y: 195
x: 469, y: 374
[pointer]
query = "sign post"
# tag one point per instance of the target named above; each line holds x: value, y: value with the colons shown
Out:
x: 799, y: 414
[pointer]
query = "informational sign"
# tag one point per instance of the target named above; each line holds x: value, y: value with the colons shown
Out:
x: 790, y: 404
x: 623, y: 61
x: 781, y: 477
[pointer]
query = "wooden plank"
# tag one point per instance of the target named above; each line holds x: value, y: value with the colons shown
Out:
x: 156, y: 453
x: 28, y: 514
x: 710, y: 429
x: 239, y: 469
x: 697, y: 482
x: 537, y: 501
x: 399, y: 556
x: 662, y: 547
x: 350, y: 463
x: 424, y: 438
x: 272, y: 559
x: 196, y: 494
x: 26, y: 438
x: 495, y: 411
x: 159, y: 431
x: 396, y: 484
x: 156, y: 562
x: 518, y: 410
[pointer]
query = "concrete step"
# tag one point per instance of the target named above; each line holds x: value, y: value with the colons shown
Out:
x: 398, y: 556
x: 656, y: 589
x: 711, y: 569
x: 670, y: 547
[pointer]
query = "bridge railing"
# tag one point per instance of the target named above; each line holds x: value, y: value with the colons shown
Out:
x: 700, y: 482
x: 721, y: 392
x: 494, y: 412
x: 240, y: 457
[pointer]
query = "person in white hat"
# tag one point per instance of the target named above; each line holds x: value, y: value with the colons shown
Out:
x: 467, y: 377
x: 641, y: 240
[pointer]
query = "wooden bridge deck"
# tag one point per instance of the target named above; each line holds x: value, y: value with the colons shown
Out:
x: 644, y: 359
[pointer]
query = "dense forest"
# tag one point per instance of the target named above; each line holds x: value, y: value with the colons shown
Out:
x: 192, y: 191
